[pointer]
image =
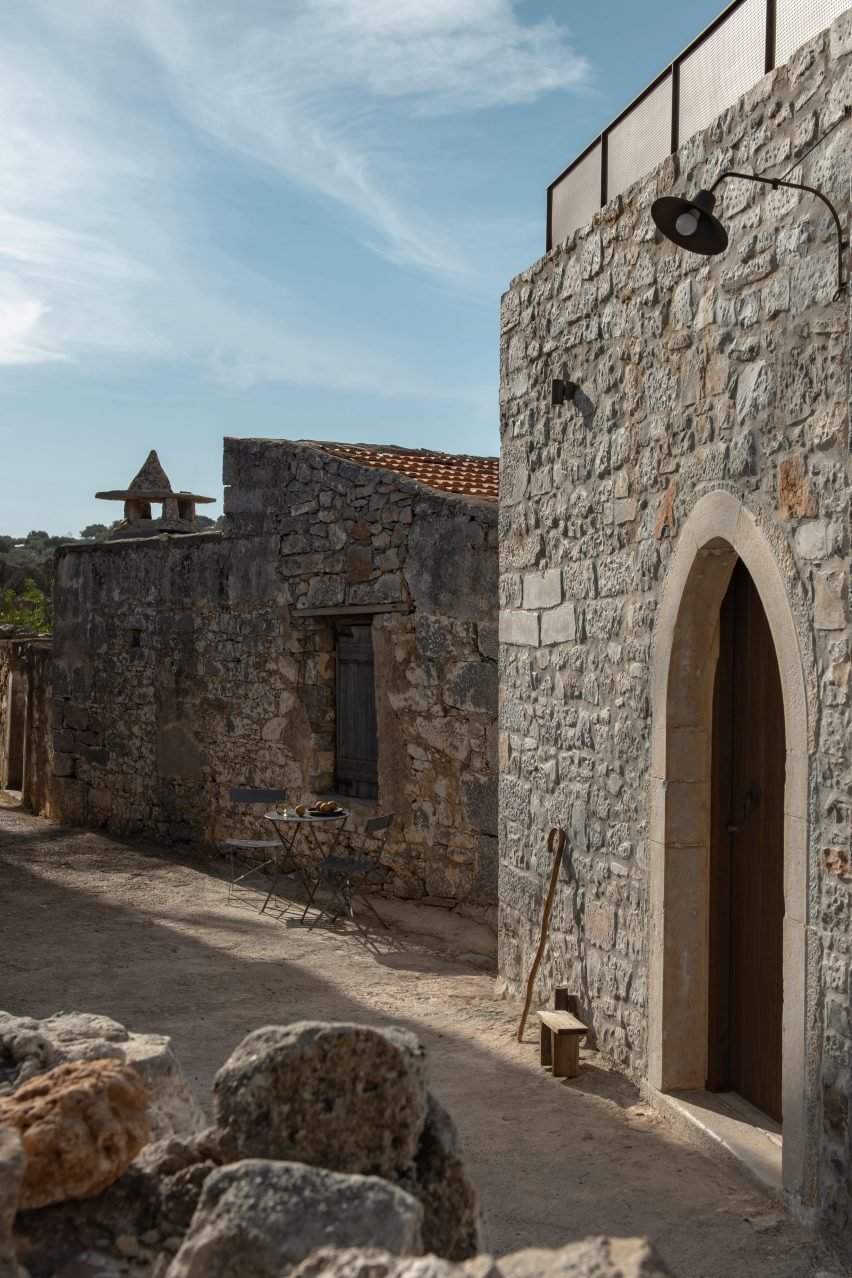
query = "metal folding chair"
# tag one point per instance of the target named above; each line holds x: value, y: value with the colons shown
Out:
x: 346, y: 877
x: 269, y: 849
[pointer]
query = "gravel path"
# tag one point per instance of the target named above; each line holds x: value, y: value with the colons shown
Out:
x: 91, y: 923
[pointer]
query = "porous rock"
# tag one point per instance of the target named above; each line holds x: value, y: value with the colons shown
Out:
x: 592, y: 1258
x: 12, y: 1166
x: 452, y: 1225
x: 81, y: 1125
x: 262, y: 1217
x: 347, y: 1097
x: 29, y: 1047
x: 178, y: 1168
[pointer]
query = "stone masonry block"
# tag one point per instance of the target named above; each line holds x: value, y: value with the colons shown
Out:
x: 479, y: 798
x: 472, y: 685
x: 829, y: 610
x: 543, y: 590
x: 559, y: 625
x: 517, y: 627
x: 812, y: 539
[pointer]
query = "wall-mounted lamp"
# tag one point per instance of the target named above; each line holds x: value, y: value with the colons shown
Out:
x: 561, y: 389
x: 691, y: 224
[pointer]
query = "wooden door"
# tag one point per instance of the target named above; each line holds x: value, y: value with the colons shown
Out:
x: 747, y: 855
x: 356, y: 765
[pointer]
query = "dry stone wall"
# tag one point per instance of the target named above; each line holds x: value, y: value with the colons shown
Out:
x: 187, y: 665
x: 693, y: 374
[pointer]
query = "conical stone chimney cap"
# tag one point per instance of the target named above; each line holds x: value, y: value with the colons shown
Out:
x: 151, y: 478
x: 151, y: 484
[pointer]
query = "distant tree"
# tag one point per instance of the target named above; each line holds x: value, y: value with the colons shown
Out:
x: 37, y: 540
x: 6, y: 544
x: 95, y: 532
x: 29, y: 607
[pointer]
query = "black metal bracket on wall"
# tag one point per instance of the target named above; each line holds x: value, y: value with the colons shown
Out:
x: 842, y: 244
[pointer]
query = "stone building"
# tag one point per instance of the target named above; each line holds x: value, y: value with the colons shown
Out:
x: 338, y: 637
x: 675, y: 645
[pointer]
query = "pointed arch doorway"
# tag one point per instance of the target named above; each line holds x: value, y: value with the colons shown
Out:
x: 746, y: 910
x: 684, y: 944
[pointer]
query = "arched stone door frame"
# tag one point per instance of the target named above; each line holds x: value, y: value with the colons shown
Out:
x: 719, y: 530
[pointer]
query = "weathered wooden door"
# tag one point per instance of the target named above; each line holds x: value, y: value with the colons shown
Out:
x: 747, y: 855
x: 357, y: 743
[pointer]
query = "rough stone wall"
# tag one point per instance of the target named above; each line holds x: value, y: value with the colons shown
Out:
x: 186, y: 666
x: 27, y: 658
x: 693, y: 373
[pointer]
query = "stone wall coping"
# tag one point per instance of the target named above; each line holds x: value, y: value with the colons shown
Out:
x: 147, y: 543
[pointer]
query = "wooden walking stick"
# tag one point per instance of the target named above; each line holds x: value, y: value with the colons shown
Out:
x: 559, y: 833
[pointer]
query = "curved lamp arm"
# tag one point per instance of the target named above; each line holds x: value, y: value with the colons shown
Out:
x: 797, y: 186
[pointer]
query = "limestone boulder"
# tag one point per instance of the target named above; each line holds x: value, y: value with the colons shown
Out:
x: 452, y: 1224
x: 592, y: 1258
x: 29, y: 1047
x: 12, y: 1166
x: 81, y: 1125
x: 347, y: 1097
x: 353, y: 1099
x: 262, y: 1217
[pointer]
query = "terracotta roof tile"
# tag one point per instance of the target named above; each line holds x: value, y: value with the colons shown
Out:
x: 449, y: 472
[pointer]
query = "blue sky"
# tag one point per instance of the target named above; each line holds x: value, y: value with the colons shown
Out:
x: 285, y: 218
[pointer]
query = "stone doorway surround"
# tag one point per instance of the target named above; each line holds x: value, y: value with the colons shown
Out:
x: 719, y: 530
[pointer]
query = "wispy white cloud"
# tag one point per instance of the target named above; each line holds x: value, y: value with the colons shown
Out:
x: 307, y: 89
x: 98, y: 257
x: 19, y: 321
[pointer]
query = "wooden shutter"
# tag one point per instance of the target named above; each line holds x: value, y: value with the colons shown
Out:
x: 357, y: 742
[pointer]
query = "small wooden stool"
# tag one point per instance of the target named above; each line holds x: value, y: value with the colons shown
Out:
x: 559, y: 1043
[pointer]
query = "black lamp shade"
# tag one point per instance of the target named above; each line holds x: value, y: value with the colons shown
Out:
x: 709, y: 236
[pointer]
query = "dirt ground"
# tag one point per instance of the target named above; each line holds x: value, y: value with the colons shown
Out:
x: 90, y: 923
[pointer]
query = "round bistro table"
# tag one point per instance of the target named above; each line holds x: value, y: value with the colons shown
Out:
x: 293, y: 829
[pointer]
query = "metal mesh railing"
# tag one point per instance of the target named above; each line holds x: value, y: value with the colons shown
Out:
x: 722, y: 68
x: 574, y: 203
x: 799, y: 21
x: 749, y: 39
x: 641, y: 138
